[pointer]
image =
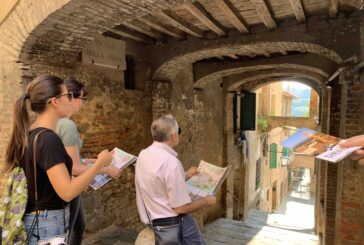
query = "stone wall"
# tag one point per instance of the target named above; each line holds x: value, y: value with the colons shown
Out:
x: 350, y: 190
x: 200, y: 115
x: 112, y: 117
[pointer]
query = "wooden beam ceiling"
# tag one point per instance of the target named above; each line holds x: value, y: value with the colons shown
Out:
x: 128, y: 34
x: 298, y: 11
x: 333, y: 8
x: 233, y: 56
x: 264, y: 14
x: 145, y: 30
x: 161, y: 27
x: 232, y: 15
x: 180, y: 23
x: 202, y: 15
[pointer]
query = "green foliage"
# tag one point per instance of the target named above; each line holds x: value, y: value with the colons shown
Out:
x: 262, y: 123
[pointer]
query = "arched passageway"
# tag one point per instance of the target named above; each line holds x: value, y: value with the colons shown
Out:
x: 191, y: 64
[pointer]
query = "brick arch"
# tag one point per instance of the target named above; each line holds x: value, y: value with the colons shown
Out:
x: 239, y: 76
x: 254, y: 80
x: 22, y: 21
x: 168, y: 69
x: 38, y: 30
x: 206, y: 72
x: 254, y: 85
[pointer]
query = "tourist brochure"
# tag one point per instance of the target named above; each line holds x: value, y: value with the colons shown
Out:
x: 207, y: 181
x: 323, y: 146
x: 120, y: 160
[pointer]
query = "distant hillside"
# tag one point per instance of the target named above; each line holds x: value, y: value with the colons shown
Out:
x: 300, y: 106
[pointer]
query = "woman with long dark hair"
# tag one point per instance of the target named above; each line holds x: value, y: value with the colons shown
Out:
x: 49, y: 99
x: 70, y: 137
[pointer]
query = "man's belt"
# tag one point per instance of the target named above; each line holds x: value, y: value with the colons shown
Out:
x: 168, y: 221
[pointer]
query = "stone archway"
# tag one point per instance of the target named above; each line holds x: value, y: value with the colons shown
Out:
x: 307, y: 63
x: 167, y: 70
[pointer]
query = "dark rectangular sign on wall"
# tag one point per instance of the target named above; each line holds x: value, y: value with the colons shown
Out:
x: 247, y: 111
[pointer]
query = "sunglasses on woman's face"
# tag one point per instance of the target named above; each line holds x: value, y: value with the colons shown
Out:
x: 179, y: 131
x: 69, y: 96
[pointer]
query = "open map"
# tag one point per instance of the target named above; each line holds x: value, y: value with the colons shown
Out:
x: 207, y: 181
x: 120, y: 160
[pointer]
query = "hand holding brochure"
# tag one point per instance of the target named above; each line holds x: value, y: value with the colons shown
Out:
x: 323, y: 146
x: 121, y: 160
x: 207, y: 181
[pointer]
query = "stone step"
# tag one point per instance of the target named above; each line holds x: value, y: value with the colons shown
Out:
x: 224, y: 231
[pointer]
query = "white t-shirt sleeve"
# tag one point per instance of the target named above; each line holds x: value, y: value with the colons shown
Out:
x: 176, y: 186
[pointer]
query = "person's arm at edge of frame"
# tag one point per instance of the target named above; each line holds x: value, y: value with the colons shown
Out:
x: 195, y: 205
x: 357, y: 155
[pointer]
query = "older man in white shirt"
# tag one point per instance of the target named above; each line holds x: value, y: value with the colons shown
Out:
x: 161, y: 191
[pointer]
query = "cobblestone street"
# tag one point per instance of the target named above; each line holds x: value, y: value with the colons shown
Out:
x: 291, y: 224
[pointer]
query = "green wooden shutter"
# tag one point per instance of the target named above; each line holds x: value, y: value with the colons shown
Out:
x: 286, y: 152
x: 273, y: 155
x: 247, y: 111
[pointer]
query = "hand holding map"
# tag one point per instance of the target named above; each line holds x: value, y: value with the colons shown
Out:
x: 323, y: 146
x: 207, y: 181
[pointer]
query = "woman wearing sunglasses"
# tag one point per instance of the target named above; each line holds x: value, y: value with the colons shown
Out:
x: 69, y: 135
x: 49, y: 98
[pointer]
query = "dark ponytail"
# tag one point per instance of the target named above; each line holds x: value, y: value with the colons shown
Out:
x: 76, y: 87
x: 19, y: 136
x: 38, y: 92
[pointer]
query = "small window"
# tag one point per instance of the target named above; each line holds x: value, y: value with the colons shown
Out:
x: 129, y: 75
x: 273, y: 155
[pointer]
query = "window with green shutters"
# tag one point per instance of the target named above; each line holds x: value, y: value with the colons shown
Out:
x: 273, y: 155
x: 286, y: 152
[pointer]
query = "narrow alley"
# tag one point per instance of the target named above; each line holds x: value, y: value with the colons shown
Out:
x: 291, y: 224
x: 236, y: 78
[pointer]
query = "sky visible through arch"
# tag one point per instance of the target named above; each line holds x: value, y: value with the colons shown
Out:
x: 300, y: 106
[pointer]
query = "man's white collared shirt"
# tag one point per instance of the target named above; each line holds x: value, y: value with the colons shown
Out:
x: 160, y: 176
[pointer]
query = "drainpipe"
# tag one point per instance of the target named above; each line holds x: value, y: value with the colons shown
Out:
x: 357, y: 67
x: 337, y: 72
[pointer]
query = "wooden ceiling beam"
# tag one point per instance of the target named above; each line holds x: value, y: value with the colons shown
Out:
x: 143, y: 30
x: 233, y: 56
x: 333, y: 8
x: 233, y: 15
x: 202, y: 15
x: 128, y: 34
x: 264, y: 14
x: 298, y: 11
x: 180, y: 23
x: 161, y: 27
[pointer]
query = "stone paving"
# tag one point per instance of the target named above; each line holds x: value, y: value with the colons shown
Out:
x: 291, y: 224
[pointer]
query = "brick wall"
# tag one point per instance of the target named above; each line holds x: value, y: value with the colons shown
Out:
x: 112, y: 117
x: 350, y: 202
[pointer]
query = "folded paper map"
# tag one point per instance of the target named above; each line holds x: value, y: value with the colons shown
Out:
x: 326, y: 147
x: 120, y: 160
x: 207, y: 181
